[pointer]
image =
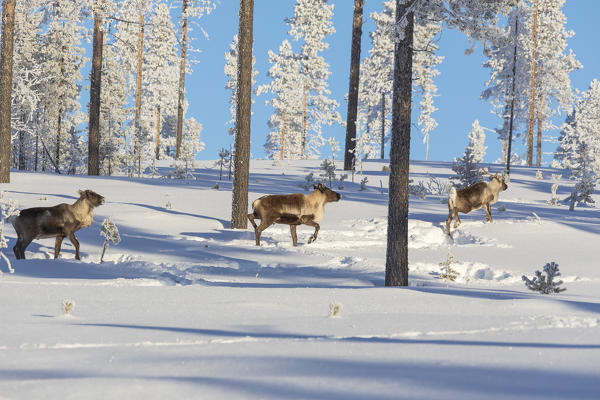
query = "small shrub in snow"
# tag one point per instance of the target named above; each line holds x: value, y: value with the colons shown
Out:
x: 328, y: 168
x: 111, y: 234
x: 309, y: 181
x: 385, y: 168
x: 447, y: 272
x: 583, y: 190
x: 554, y: 200
x: 224, y: 161
x: 341, y: 181
x: 181, y: 170
x: 556, y: 177
x: 545, y: 283
x: 363, y: 183
x: 335, y: 310
x: 216, y: 187
x: 502, y: 208
x: 539, y: 175
x: 7, y: 209
x: 418, y: 190
x: 68, y: 306
x: 436, y: 186
x: 169, y: 205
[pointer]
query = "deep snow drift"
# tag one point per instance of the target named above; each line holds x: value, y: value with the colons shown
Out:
x: 184, y: 307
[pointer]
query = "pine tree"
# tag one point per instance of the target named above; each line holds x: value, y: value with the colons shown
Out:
x: 468, y: 168
x: 579, y: 149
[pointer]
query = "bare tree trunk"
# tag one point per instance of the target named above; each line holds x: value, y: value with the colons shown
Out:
x: 158, y: 133
x: 396, y: 265
x: 239, y: 206
x: 179, y: 134
x: 95, y: 86
x: 382, y: 125
x: 22, y: 158
x: 138, y: 94
x: 349, y: 154
x: 539, y: 133
x: 531, y: 121
x: 505, y: 127
x: 58, y: 128
x: 37, y: 145
x: 281, y: 146
x: 303, y: 156
x: 512, y: 100
x: 6, y: 69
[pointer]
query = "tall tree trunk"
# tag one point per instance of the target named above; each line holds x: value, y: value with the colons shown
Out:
x: 349, y: 155
x: 396, y: 264
x: 179, y: 134
x: 158, y: 133
x: 512, y: 99
x: 282, y: 144
x: 531, y: 121
x: 239, y: 206
x: 22, y: 157
x: 138, y: 93
x: 505, y: 127
x: 6, y: 67
x: 58, y: 128
x: 37, y: 146
x: 304, y: 115
x: 382, y: 125
x: 539, y: 133
x: 95, y: 86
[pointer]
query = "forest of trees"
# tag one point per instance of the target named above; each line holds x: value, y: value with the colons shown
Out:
x: 140, y: 56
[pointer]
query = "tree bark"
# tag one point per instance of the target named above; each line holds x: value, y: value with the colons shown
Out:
x: 531, y: 121
x: 6, y: 67
x: 512, y: 100
x: 396, y: 265
x: 349, y: 154
x: 138, y: 93
x: 239, y: 206
x: 539, y: 133
x: 304, y: 115
x: 382, y: 125
x: 95, y: 86
x: 179, y: 134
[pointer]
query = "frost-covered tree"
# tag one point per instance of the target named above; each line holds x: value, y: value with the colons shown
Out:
x: 111, y: 235
x: 468, y: 167
x: 545, y: 284
x: 8, y: 208
x: 310, y: 26
x: 579, y: 148
x: 284, y: 140
x: 231, y: 71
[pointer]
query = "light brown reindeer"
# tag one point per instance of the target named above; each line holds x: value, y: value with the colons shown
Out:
x: 293, y: 210
x: 60, y: 221
x: 474, y: 197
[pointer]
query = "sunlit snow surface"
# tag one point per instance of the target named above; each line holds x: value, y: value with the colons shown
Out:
x: 184, y: 307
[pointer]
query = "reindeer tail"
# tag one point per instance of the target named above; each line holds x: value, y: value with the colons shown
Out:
x: 12, y: 219
x: 452, y: 197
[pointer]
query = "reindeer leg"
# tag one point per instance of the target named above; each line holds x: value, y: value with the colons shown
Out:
x: 76, y: 244
x: 457, y: 222
x: 251, y: 219
x: 294, y: 236
x: 488, y: 212
x: 448, y: 222
x: 309, y: 221
x: 57, y: 244
x: 264, y: 224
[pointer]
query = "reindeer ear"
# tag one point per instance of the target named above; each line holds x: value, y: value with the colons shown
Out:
x: 316, y: 187
x: 80, y: 193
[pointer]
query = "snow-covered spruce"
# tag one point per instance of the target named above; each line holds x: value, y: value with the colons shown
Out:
x: 468, y: 167
x: 328, y: 168
x: 545, y: 283
x: 8, y: 208
x: 111, y: 235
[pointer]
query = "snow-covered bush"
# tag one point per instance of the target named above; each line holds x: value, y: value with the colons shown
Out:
x: 436, y: 186
x: 545, y: 283
x: 556, y: 177
x: 111, y: 234
x: 169, y: 205
x: 68, y: 306
x: 335, y: 310
x: 309, y: 181
x: 328, y: 168
x: 224, y: 161
x: 8, y: 209
x: 583, y: 190
x: 418, y: 190
x: 468, y: 167
x: 341, y: 181
x: 554, y: 200
x: 539, y: 175
x: 447, y: 273
x: 363, y: 183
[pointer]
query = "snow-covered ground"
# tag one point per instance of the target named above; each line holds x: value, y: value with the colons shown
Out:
x: 184, y: 307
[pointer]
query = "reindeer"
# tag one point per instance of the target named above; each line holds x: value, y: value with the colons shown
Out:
x: 60, y: 221
x: 293, y: 210
x: 474, y: 197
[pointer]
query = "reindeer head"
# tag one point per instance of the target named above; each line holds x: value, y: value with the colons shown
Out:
x: 501, y: 180
x: 92, y: 197
x: 330, y: 195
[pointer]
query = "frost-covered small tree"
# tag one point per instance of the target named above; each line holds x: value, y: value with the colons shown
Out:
x: 545, y: 283
x: 468, y: 167
x: 328, y: 168
x: 579, y: 148
x: 223, y: 161
x: 447, y: 273
x: 8, y: 208
x: 111, y: 235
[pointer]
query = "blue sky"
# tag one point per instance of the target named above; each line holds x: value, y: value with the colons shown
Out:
x: 459, y: 85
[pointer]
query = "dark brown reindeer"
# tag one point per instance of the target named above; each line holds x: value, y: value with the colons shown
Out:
x: 474, y: 197
x: 60, y: 221
x: 293, y: 210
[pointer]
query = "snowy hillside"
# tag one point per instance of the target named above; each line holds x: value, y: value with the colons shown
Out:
x: 184, y: 307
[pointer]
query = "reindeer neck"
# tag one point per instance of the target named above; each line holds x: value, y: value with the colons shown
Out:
x: 82, y: 206
x: 316, y: 196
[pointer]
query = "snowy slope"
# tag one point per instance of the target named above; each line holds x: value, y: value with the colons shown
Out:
x: 187, y: 308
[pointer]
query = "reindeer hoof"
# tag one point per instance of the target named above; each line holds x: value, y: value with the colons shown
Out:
x: 311, y: 239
